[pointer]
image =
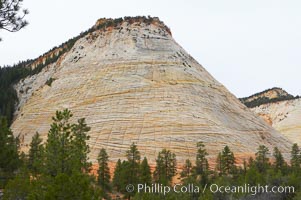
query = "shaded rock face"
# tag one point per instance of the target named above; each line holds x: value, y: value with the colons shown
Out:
x: 284, y: 116
x: 134, y: 83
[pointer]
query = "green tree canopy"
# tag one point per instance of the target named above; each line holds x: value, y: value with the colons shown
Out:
x: 117, y: 176
x: 201, y: 162
x: 66, y: 149
x: 166, y: 167
x: 9, y: 155
x: 65, y: 174
x: 187, y: 168
x: 228, y: 160
x: 133, y: 157
x: 279, y: 163
x: 10, y: 18
x: 35, y: 155
x: 295, y: 157
x: 201, y: 169
x: 103, y: 171
x: 262, y: 159
x: 145, y: 172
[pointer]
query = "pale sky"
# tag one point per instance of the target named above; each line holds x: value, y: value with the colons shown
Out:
x: 247, y: 45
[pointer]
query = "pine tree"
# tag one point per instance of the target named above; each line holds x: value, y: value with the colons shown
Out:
x: 64, y: 175
x: 187, y: 168
x: 133, y: 157
x: 126, y: 179
x: 145, y: 172
x: 228, y: 161
x: 104, y: 171
x: 253, y: 177
x: 262, y: 160
x: 9, y: 155
x: 245, y: 166
x: 201, y: 169
x: 19, y: 187
x: 295, y: 157
x: 80, y: 146
x: 10, y: 20
x: 219, y: 163
x: 58, y: 145
x: 165, y: 167
x: 66, y: 148
x: 35, y: 155
x: 201, y: 162
x: 251, y: 162
x: 117, y: 176
x: 77, y: 185
x: 279, y: 163
x: 130, y: 170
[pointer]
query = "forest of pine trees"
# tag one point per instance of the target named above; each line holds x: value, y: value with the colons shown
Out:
x: 59, y: 168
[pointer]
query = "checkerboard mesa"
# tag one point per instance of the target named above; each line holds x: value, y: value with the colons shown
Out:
x: 134, y: 83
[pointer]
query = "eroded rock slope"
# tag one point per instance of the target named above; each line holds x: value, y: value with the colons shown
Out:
x: 133, y: 83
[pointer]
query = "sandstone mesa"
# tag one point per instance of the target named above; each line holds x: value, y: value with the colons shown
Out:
x: 133, y: 83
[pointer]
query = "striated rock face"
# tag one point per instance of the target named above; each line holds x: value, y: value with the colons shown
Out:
x: 279, y: 109
x: 133, y: 83
x: 284, y: 116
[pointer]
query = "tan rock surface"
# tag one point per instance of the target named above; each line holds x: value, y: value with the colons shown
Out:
x: 285, y: 117
x: 134, y: 83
